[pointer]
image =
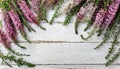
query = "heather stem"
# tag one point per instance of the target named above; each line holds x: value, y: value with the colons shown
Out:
x: 24, y: 36
x: 90, y: 34
x: 17, y: 53
x: 16, y: 42
x: 76, y: 25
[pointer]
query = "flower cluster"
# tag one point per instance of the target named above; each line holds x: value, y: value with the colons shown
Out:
x: 112, y: 9
x: 8, y: 27
x: 16, y: 20
x: 100, y: 17
x: 36, y: 5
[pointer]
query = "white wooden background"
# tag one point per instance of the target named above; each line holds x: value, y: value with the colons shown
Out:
x: 60, y: 48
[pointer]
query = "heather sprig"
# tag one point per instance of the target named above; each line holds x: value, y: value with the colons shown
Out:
x: 30, y: 16
x: 18, y: 60
x: 100, y: 4
x: 110, y: 14
x: 4, y: 39
x: 81, y: 14
x: 112, y: 49
x: 22, y: 17
x: 3, y: 59
x: 112, y: 32
x: 27, y: 12
x: 72, y: 12
x: 17, y: 23
x: 8, y: 27
x: 92, y: 19
x: 115, y: 57
x: 99, y: 18
x: 6, y: 42
x: 10, y: 31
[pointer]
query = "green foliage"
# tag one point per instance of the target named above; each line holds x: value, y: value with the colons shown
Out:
x: 19, y: 61
x: 115, y: 57
x: 55, y: 15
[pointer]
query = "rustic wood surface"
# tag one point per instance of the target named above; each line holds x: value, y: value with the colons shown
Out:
x: 60, y: 48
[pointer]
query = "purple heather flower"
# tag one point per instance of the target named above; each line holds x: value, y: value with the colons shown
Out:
x: 111, y: 13
x: 99, y: 17
x: 27, y: 12
x: 84, y: 10
x: 8, y: 27
x: 35, y: 5
x: 4, y: 39
x: 118, y: 1
x: 16, y: 20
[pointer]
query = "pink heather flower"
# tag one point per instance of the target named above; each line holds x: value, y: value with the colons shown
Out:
x: 4, y: 39
x: 36, y: 5
x: 111, y: 13
x: 84, y: 10
x: 100, y: 17
x: 27, y: 12
x: 16, y: 20
x: 8, y: 27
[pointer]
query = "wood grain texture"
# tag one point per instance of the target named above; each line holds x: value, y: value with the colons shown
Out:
x: 60, y: 48
x: 64, y: 67
x: 64, y: 53
x: 58, y: 32
x: 64, y: 56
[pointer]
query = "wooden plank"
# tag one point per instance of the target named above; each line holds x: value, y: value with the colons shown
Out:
x: 58, y: 32
x: 64, y: 53
x: 64, y: 67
